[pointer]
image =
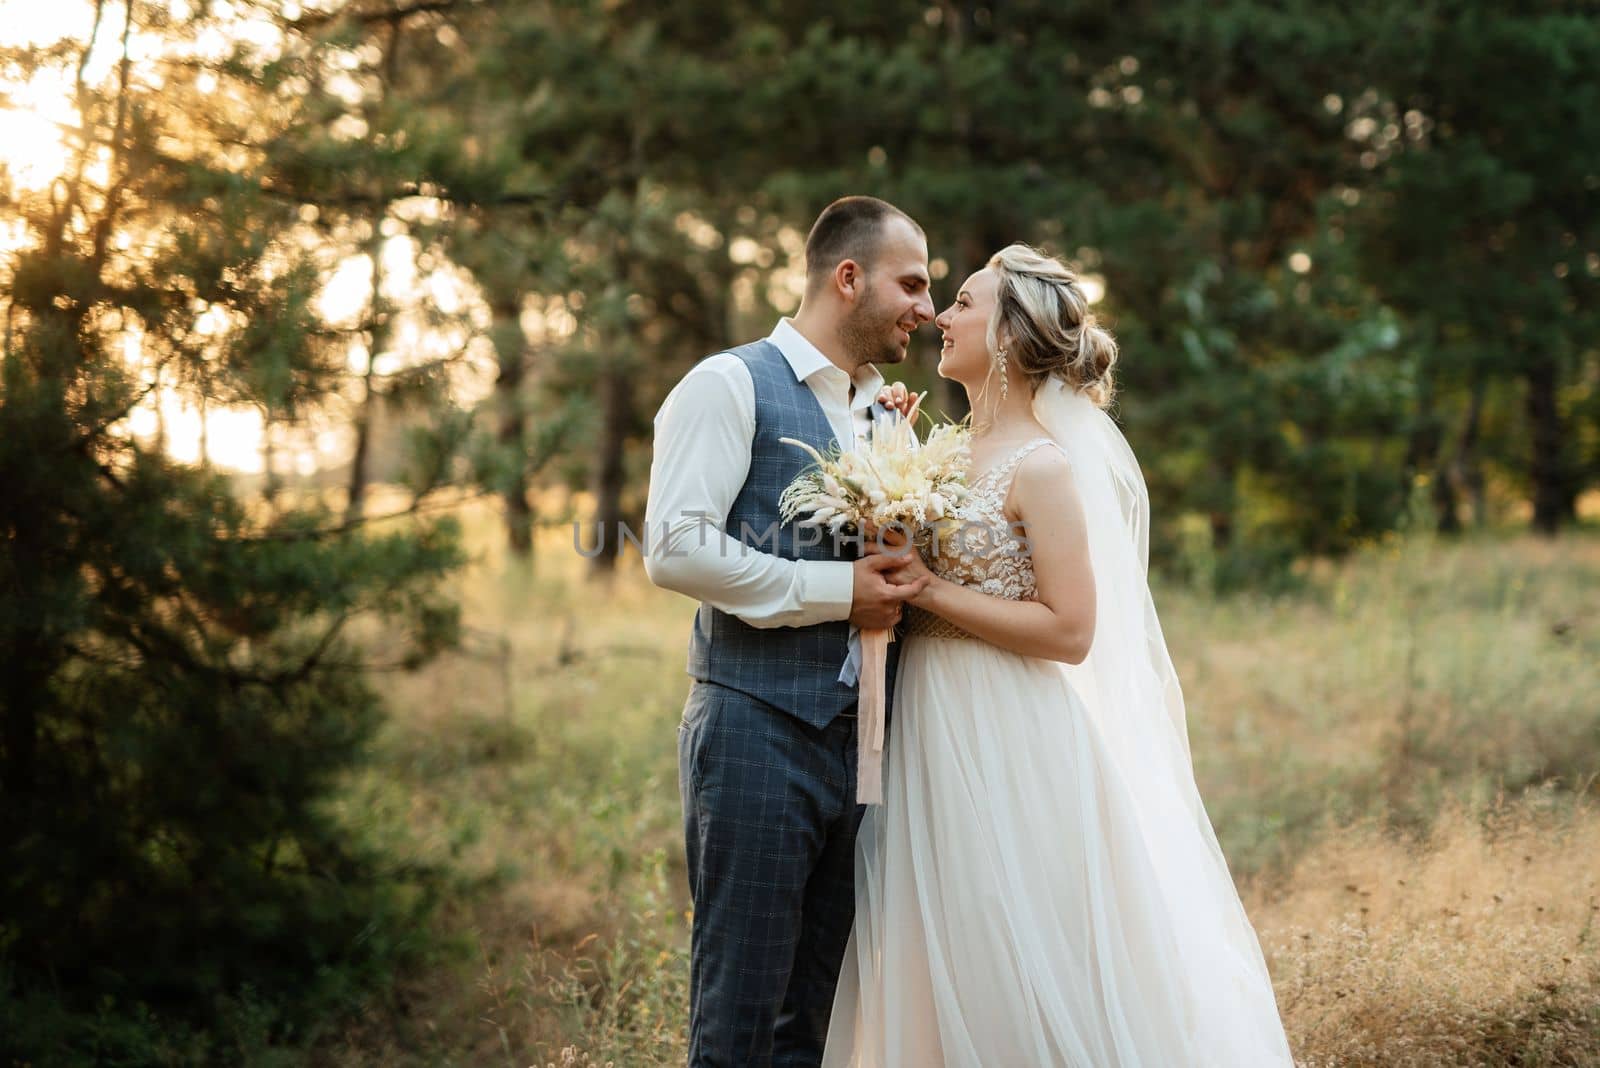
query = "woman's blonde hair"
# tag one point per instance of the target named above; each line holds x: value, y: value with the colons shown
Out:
x: 1042, y: 318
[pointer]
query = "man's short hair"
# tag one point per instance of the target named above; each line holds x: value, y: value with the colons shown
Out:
x: 851, y: 228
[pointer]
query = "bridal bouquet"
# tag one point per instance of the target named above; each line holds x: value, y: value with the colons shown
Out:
x: 888, y: 483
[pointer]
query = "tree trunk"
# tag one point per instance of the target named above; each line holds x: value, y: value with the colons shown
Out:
x: 512, y: 359
x: 1223, y: 506
x: 1446, y: 501
x: 616, y: 388
x: 203, y: 409
x: 1221, y: 530
x: 270, y: 483
x: 1423, y: 458
x: 377, y: 325
x: 377, y: 331
x: 1422, y: 453
x: 1463, y: 470
x: 1422, y: 445
x: 1472, y: 465
x: 1553, y: 502
x: 356, y: 497
x: 156, y: 393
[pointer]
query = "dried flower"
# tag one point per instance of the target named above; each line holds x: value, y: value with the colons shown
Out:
x: 890, y: 480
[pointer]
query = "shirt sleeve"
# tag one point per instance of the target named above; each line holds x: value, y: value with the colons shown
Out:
x: 703, y: 435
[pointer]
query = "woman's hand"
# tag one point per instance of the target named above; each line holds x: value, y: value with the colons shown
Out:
x: 910, y: 568
x: 895, y: 395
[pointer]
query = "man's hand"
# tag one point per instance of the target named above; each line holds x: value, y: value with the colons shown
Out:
x: 897, y: 396
x: 876, y: 602
x: 909, y: 571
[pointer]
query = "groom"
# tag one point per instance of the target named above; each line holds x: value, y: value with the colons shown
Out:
x: 767, y: 746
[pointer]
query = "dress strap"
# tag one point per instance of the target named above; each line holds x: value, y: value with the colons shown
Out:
x: 1004, y: 469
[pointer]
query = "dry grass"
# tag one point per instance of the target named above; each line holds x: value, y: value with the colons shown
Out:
x: 1397, y: 738
x: 1476, y: 947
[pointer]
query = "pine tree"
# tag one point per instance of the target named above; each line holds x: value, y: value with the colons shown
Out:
x: 1483, y: 231
x: 183, y: 687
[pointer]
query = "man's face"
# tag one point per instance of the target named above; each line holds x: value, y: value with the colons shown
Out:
x: 893, y: 299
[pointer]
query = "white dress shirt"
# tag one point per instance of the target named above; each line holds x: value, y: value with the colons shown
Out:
x: 703, y: 436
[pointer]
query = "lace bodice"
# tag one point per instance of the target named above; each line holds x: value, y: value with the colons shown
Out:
x: 980, y: 548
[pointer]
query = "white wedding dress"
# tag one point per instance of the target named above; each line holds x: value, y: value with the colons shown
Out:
x: 1040, y: 886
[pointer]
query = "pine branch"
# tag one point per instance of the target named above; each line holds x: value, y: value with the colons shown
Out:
x: 318, y: 19
x: 359, y: 198
x: 63, y: 211
x: 416, y: 508
x: 119, y: 148
x: 94, y: 430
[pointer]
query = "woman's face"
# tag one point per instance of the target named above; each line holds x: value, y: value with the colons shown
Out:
x: 965, y: 357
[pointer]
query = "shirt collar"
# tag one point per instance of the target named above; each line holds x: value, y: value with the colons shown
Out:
x: 805, y: 359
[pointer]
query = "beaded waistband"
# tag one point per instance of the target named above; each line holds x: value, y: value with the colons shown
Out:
x: 920, y: 623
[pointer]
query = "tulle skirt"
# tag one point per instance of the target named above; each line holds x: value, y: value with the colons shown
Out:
x: 1009, y: 906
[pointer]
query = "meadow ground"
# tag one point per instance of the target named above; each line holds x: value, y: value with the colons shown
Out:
x: 1400, y: 759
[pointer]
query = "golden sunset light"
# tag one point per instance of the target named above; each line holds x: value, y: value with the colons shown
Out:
x: 38, y: 116
x: 441, y: 453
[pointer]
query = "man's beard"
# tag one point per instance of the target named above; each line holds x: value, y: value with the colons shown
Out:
x: 863, y: 333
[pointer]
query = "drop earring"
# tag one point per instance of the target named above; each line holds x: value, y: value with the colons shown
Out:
x: 1000, y: 359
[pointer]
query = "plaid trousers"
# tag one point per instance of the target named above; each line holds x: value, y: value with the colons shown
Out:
x: 770, y: 822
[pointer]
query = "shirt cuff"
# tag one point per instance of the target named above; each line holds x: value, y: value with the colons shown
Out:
x: 828, y: 586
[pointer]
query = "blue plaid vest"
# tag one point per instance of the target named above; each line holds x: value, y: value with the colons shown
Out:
x: 795, y: 669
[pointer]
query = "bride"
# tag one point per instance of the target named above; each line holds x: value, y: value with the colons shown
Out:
x: 1041, y: 885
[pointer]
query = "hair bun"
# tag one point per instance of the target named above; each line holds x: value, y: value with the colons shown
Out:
x: 1097, y: 354
x: 1043, y: 310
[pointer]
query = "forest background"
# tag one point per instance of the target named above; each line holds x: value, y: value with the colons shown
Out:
x: 337, y: 722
